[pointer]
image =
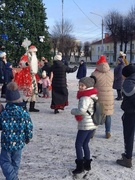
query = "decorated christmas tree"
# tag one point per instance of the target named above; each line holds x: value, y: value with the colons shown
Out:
x: 20, y: 20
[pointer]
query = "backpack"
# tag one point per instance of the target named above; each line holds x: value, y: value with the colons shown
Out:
x: 98, y: 115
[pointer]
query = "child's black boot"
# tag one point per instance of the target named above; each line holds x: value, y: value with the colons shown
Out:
x: 79, y: 167
x: 87, y: 164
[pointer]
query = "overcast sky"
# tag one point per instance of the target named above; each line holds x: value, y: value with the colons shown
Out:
x: 87, y: 26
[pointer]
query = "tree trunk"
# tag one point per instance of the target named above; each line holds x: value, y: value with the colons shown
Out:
x: 115, y: 51
x: 125, y: 48
x: 131, y: 39
x: 121, y: 45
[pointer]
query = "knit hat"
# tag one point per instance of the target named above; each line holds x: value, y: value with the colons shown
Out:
x: 95, y: 80
x: 2, y: 54
x: 87, y: 81
x: 128, y: 70
x: 122, y: 53
x: 59, y: 53
x: 12, y: 93
x: 32, y: 49
x: 58, y: 57
x: 44, y: 74
x: 102, y: 59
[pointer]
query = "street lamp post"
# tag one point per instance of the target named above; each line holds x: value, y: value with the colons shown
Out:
x: 62, y: 16
x: 101, y: 29
x: 62, y: 28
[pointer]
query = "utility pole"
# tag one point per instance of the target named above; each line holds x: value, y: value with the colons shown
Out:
x: 102, y: 29
x: 102, y: 35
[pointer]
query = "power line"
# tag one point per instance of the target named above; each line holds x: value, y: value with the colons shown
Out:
x: 89, y: 32
x: 85, y: 14
x: 93, y: 38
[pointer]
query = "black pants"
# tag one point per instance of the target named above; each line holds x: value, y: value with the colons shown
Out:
x: 3, y: 89
x: 119, y: 94
x: 39, y: 88
x: 128, y: 132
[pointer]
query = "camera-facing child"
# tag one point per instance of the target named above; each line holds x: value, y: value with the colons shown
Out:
x: 46, y: 83
x: 86, y: 96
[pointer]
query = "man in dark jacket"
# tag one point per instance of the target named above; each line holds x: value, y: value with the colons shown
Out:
x: 82, y: 71
x: 128, y: 118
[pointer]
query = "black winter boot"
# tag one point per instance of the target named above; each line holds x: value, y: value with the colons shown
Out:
x: 56, y: 111
x: 124, y: 161
x: 87, y: 164
x: 32, y: 105
x: 79, y: 167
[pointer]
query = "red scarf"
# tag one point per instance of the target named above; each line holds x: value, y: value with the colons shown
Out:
x: 87, y: 92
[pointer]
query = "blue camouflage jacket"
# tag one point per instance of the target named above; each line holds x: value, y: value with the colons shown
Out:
x: 16, y: 126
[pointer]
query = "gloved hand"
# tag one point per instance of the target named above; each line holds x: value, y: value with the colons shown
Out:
x: 27, y: 141
x: 78, y: 117
x: 26, y: 64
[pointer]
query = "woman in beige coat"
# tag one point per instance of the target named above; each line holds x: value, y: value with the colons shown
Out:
x: 104, y: 83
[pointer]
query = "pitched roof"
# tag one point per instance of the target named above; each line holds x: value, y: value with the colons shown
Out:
x: 107, y: 39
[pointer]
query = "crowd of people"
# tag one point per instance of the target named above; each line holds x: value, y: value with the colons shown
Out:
x: 50, y: 80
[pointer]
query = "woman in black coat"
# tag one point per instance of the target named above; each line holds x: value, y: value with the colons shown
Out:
x: 59, y: 84
x: 118, y: 79
x: 81, y: 70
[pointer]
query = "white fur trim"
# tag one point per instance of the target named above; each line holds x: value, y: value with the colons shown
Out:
x: 33, y: 62
x: 57, y: 57
x: 2, y: 54
x: 59, y: 53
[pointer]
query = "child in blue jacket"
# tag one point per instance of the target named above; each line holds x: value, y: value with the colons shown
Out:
x: 17, y: 127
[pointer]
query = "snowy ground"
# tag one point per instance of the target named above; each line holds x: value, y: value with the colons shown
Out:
x: 51, y: 153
